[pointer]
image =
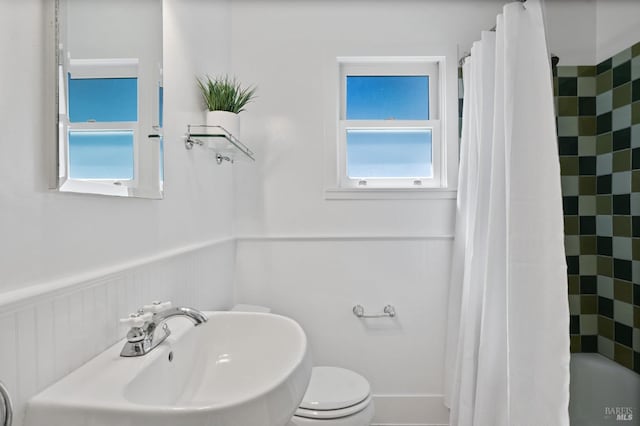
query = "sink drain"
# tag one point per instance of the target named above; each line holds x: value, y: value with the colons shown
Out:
x: 170, y: 356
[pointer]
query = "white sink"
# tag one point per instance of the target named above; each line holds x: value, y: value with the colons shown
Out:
x: 237, y: 369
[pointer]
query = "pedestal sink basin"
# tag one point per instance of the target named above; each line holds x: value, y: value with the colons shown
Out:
x: 237, y: 369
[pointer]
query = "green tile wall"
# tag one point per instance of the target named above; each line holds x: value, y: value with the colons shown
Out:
x: 598, y: 109
x: 575, y: 89
x: 618, y: 215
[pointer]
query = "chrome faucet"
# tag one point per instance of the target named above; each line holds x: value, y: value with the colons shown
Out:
x: 141, y: 338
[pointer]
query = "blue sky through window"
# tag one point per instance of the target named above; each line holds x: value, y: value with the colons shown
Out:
x: 101, y: 154
x: 387, y: 97
x: 389, y: 153
x: 103, y: 99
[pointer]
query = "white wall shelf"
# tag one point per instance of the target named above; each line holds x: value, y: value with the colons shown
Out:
x: 226, y: 146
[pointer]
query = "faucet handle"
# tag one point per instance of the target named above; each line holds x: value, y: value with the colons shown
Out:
x: 156, y: 307
x: 136, y: 320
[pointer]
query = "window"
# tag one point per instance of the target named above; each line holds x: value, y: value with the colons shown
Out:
x: 103, y: 99
x: 103, y: 155
x: 389, y: 154
x: 389, y: 123
x: 102, y: 120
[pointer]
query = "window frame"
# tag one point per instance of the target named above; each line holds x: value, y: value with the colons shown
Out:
x: 96, y: 69
x: 398, y: 66
x: 328, y: 111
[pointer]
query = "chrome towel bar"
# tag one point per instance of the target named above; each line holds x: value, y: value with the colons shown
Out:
x: 6, y: 408
x: 388, y: 311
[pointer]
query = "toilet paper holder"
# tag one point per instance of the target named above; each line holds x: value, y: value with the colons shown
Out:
x: 388, y: 311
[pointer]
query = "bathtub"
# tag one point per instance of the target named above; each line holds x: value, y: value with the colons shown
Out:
x: 603, y: 392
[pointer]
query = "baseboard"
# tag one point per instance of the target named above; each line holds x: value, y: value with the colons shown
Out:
x: 410, y: 410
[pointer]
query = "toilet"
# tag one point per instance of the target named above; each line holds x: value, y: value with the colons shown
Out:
x: 335, y: 396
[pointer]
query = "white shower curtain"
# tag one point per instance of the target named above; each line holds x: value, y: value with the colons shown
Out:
x: 508, y: 334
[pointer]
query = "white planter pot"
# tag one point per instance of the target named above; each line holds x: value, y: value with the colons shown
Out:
x: 230, y: 121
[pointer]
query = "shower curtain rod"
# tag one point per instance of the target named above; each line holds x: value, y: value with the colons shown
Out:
x: 554, y: 58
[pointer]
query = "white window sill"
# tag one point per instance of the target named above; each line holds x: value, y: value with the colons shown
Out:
x: 107, y: 187
x: 390, y: 194
x: 95, y: 187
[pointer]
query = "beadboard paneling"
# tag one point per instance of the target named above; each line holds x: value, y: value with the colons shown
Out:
x: 47, y: 336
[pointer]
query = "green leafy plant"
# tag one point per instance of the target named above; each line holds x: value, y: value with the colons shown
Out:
x: 225, y: 94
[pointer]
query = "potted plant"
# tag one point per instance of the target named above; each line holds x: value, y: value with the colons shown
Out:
x: 224, y: 98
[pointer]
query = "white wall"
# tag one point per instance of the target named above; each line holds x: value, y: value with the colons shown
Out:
x: 317, y: 281
x: 618, y: 26
x: 571, y: 30
x: 48, y: 235
x: 312, y: 258
x: 287, y: 51
x: 64, y: 257
x: 587, y: 32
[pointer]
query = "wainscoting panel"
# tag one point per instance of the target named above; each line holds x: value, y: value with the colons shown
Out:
x: 317, y: 279
x: 46, y: 335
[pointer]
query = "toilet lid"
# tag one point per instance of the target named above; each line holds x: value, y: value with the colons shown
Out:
x: 333, y: 388
x: 334, y: 414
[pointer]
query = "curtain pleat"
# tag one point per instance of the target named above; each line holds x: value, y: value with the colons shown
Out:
x: 508, y: 334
